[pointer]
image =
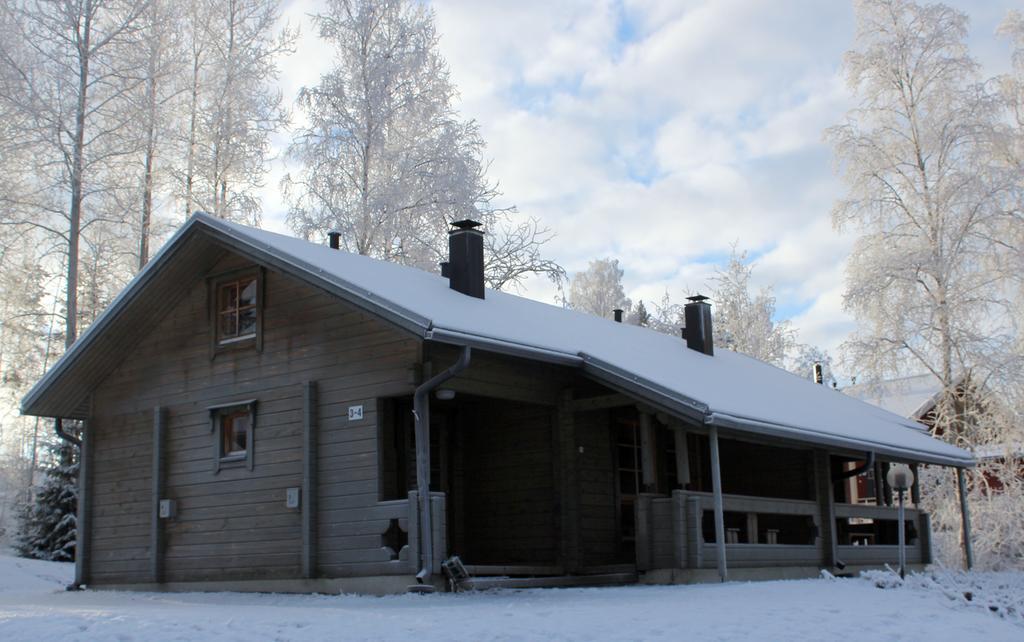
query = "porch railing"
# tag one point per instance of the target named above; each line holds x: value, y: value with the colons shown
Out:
x: 860, y: 550
x: 762, y: 533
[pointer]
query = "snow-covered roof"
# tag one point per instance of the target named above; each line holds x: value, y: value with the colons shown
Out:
x: 728, y: 389
x: 910, y: 397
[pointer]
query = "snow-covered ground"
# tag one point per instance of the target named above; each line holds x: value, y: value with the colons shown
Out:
x: 34, y: 608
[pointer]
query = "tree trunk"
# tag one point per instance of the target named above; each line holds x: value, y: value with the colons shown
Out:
x: 77, y: 171
x: 192, y: 125
x: 147, y: 189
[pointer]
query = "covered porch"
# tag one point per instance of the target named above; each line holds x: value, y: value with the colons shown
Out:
x: 551, y: 474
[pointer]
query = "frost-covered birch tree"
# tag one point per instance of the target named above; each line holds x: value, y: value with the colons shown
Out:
x: 745, y: 320
x: 159, y: 57
x: 922, y: 195
x: 598, y: 289
x: 1011, y: 90
x: 1008, y: 144
x: 928, y: 279
x: 70, y: 58
x: 232, y: 53
x: 384, y: 157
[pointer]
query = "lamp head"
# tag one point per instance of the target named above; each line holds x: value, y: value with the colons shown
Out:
x: 900, y: 477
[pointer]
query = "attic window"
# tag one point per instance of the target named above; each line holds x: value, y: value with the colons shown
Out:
x: 237, y: 309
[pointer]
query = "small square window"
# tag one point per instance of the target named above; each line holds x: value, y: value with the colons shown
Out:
x: 232, y: 426
x: 234, y: 434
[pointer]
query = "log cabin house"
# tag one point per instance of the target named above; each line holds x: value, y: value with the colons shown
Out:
x: 264, y: 413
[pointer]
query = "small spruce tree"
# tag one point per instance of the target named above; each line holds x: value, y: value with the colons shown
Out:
x: 48, y: 523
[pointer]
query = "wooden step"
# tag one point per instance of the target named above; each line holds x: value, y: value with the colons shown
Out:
x: 606, y: 579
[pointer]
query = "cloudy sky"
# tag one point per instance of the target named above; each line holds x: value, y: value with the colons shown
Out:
x: 662, y: 132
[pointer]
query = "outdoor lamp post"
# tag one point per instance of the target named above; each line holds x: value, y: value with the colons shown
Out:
x: 901, y: 478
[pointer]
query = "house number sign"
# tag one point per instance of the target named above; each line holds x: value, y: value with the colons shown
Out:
x: 355, y: 413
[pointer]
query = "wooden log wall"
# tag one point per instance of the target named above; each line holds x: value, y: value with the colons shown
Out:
x: 234, y: 524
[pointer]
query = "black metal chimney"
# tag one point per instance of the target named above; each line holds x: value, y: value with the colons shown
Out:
x: 466, y: 258
x: 697, y: 333
x: 617, y: 313
x: 335, y: 240
x: 819, y: 375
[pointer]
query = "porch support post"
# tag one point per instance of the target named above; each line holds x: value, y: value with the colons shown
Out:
x: 716, y: 486
x: 965, y: 518
x: 156, y: 535
x: 826, y: 507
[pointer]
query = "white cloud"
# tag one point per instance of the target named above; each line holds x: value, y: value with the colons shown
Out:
x: 660, y: 132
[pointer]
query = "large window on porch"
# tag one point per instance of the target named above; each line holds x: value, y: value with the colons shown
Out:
x: 754, y: 470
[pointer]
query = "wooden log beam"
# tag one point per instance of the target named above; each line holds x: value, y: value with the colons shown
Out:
x: 158, y: 476
x: 309, y: 487
x: 694, y: 532
x: 644, y: 533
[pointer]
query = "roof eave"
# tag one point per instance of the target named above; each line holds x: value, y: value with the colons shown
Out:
x: 34, y: 396
x: 726, y: 420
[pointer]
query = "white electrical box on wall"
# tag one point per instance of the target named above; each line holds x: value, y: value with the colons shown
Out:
x: 291, y: 498
x: 355, y: 413
x: 167, y: 508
